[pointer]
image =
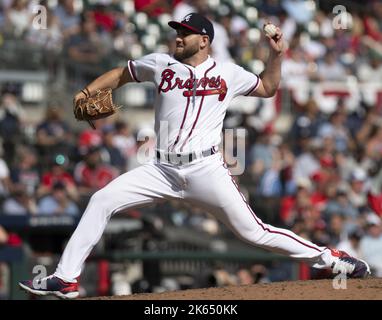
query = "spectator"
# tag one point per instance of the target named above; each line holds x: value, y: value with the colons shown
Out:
x: 86, y: 47
x: 18, y: 17
x: 336, y: 128
x: 336, y: 229
x: 58, y: 202
x: 50, y: 39
x: 91, y: 174
x: 68, y: 18
x: 236, y: 28
x: 345, y: 164
x: 371, y: 244
x: 368, y: 129
x: 370, y: 70
x: 330, y: 69
x: 293, y: 207
x: 89, y: 137
x: 351, y: 245
x: 19, y: 203
x: 288, y: 25
x: 87, y: 51
x: 307, y: 163
x: 111, y: 154
x: 52, y: 135
x: 358, y: 188
x: 341, y: 205
x: 325, y: 24
x: 270, y: 183
x: 11, y: 120
x: 323, y: 180
x: 58, y: 172
x: 294, y: 69
x: 24, y: 171
x: 306, y: 123
x: 286, y: 174
x: 262, y: 153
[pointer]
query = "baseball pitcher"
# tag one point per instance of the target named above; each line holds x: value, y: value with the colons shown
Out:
x: 193, y: 92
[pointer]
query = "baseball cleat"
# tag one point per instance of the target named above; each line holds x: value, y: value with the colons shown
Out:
x: 51, y: 286
x: 352, y: 267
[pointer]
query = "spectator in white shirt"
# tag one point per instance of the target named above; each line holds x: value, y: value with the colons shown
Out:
x: 371, y: 71
x: 371, y: 244
x: 330, y: 69
x: 352, y: 244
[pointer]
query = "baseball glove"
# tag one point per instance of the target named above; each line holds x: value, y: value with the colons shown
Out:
x: 98, y: 106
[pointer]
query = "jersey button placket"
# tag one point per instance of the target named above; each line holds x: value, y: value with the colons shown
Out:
x: 195, y: 81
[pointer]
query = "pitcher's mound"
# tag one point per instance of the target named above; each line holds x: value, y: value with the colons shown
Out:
x: 352, y: 289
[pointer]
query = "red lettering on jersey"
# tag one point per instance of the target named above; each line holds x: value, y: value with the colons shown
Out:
x: 167, y: 76
x: 203, y: 82
x: 215, y: 85
x: 189, y: 84
x: 222, y: 91
x: 178, y: 83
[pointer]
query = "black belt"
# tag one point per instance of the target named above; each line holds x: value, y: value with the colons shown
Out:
x: 178, y: 158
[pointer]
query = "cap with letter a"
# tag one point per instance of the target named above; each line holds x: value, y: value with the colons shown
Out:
x: 196, y: 23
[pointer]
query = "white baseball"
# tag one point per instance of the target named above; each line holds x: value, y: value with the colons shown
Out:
x: 270, y: 29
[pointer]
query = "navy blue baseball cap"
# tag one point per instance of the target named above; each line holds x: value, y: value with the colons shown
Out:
x: 196, y: 23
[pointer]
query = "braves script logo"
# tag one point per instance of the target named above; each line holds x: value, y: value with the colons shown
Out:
x: 215, y: 85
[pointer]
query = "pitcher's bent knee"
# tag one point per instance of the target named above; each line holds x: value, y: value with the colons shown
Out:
x: 103, y: 199
x: 113, y: 200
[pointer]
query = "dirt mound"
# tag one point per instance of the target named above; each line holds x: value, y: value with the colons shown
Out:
x: 355, y: 289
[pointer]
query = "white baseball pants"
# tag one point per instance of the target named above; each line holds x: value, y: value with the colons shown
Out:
x: 206, y: 183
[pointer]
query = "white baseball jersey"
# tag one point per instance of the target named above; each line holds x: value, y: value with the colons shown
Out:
x: 191, y: 102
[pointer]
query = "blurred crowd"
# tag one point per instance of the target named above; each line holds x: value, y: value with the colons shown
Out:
x: 321, y: 177
x: 104, y: 33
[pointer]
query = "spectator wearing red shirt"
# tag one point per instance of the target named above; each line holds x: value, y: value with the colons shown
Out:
x: 104, y: 18
x: 92, y: 174
x: 58, y: 172
x: 89, y: 137
x: 294, y: 206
